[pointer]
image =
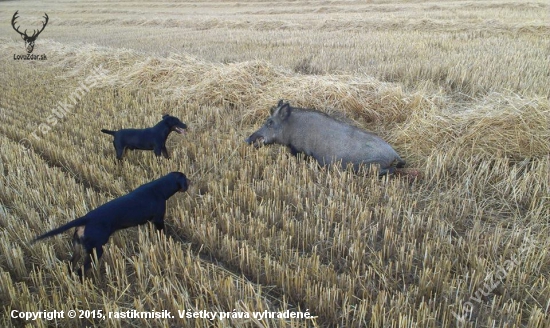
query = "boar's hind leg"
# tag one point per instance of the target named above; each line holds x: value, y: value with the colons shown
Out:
x: 387, y: 171
x: 400, y: 163
x: 397, y: 163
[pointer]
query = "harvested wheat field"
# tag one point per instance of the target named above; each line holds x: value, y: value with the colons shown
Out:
x: 262, y: 238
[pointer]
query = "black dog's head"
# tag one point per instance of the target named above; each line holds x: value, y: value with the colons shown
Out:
x: 174, y: 123
x: 181, y: 180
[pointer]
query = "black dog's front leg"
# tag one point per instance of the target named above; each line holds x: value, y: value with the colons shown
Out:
x: 158, y: 150
x: 159, y: 225
x: 158, y: 219
x: 165, y: 152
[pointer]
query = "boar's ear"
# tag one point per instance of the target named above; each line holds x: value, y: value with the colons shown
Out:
x: 279, y: 105
x: 284, y: 111
x: 165, y: 116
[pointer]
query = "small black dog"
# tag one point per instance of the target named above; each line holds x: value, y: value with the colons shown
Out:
x: 147, y: 139
x: 144, y: 204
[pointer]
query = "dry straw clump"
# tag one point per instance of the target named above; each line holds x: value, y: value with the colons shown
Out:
x: 260, y: 229
x: 256, y: 85
x: 498, y: 125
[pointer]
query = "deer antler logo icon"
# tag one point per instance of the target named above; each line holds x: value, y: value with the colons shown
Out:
x: 29, y: 40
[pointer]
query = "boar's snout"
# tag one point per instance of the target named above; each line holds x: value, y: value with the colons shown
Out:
x: 255, y: 139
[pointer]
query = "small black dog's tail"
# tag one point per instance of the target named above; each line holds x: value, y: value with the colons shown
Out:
x: 108, y: 132
x: 75, y: 223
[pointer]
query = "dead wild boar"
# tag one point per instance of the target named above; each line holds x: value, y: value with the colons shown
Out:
x: 326, y: 139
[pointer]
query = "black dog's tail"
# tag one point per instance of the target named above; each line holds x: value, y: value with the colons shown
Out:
x: 108, y: 132
x: 75, y: 223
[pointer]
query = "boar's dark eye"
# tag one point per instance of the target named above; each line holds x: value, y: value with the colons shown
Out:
x: 269, y: 123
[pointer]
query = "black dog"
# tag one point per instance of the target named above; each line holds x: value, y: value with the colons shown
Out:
x: 147, y: 139
x: 144, y: 204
